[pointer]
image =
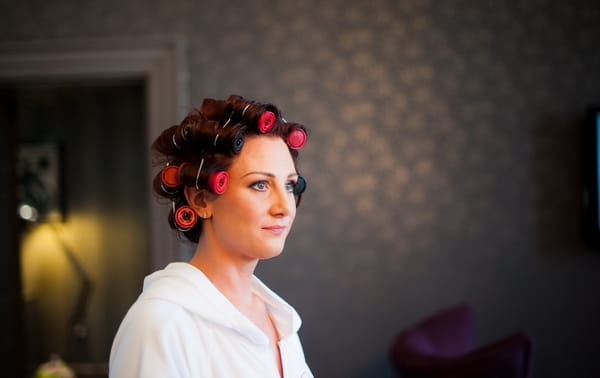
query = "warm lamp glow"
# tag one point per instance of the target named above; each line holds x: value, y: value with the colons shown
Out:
x: 56, y: 283
x: 43, y: 262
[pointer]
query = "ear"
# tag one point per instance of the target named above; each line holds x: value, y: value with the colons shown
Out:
x: 199, y: 201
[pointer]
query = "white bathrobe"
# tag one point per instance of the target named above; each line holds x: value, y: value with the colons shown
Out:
x: 182, y: 326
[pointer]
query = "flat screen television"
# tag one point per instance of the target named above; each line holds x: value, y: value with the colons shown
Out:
x: 591, y: 177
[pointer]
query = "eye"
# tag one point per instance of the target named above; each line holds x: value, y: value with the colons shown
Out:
x: 261, y: 185
x: 290, y: 186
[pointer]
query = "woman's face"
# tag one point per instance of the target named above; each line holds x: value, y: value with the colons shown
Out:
x: 252, y: 219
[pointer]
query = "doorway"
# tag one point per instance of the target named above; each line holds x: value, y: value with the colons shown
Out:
x: 80, y: 272
x: 119, y: 93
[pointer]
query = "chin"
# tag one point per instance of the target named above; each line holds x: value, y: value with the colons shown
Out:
x: 271, y: 252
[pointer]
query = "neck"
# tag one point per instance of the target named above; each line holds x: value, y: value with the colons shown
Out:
x: 232, y: 277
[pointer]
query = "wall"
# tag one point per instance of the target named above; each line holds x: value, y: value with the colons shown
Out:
x: 443, y: 163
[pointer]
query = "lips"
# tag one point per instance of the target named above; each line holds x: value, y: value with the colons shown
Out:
x: 275, y: 229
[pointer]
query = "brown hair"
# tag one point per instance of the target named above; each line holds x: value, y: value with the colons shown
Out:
x: 207, y: 140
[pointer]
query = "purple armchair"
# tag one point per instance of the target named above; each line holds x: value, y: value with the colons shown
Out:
x: 443, y: 346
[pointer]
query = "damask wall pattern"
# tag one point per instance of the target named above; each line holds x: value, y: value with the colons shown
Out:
x: 443, y: 163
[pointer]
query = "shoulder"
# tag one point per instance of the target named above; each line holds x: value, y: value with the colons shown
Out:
x: 157, y: 317
x: 155, y: 339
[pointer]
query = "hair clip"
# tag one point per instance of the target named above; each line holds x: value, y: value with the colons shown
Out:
x: 218, y: 182
x: 266, y: 121
x: 296, y: 138
x: 185, y: 218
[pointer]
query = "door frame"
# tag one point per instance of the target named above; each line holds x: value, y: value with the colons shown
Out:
x: 160, y: 61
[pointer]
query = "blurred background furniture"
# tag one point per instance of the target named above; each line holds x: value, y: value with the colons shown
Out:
x: 443, y: 346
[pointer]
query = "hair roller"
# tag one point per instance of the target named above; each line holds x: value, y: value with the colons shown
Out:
x: 300, y: 186
x: 230, y: 140
x: 266, y: 121
x: 261, y: 117
x: 185, y: 172
x: 185, y: 218
x: 218, y: 182
x: 161, y: 189
x: 199, y: 177
x: 214, y: 109
x: 238, y: 141
x: 180, y: 134
x: 201, y: 132
x: 296, y: 138
x: 169, y: 177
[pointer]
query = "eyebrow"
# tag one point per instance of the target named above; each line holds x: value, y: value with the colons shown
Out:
x: 268, y: 174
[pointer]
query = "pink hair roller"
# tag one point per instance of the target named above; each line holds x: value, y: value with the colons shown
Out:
x: 266, y: 121
x: 218, y: 182
x: 296, y: 139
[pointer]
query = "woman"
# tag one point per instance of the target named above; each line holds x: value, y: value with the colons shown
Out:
x: 230, y: 174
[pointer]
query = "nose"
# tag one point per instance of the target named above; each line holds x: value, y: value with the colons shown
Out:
x: 282, y: 202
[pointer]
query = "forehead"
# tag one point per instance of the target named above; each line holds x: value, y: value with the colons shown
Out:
x: 263, y: 153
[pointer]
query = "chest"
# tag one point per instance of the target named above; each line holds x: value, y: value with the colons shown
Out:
x: 226, y: 353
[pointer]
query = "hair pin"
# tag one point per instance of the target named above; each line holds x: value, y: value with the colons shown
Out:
x: 245, y: 108
x: 167, y: 191
x: 229, y: 120
x: 175, y: 143
x: 198, y: 174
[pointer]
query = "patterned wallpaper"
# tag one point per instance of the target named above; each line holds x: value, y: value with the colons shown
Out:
x: 443, y: 161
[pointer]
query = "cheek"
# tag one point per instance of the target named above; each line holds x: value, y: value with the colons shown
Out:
x: 293, y: 209
x: 239, y: 209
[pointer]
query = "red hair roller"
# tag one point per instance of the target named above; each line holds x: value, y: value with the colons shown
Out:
x: 266, y: 121
x: 170, y: 176
x: 185, y: 218
x: 218, y: 182
x: 296, y: 139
